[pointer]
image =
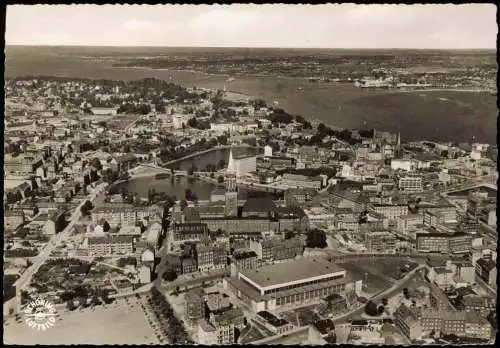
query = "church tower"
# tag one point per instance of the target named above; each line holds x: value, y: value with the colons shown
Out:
x: 231, y: 194
x: 397, y: 150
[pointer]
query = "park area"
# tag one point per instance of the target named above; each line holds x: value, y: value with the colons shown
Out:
x: 119, y: 323
x: 378, y: 274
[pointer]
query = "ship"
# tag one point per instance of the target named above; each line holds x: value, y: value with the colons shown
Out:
x: 231, y: 79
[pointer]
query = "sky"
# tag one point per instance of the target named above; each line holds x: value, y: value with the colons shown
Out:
x: 300, y: 26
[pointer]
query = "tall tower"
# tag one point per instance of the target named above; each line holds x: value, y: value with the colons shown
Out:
x: 398, y: 153
x: 231, y: 195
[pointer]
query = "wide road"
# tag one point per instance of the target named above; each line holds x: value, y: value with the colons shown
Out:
x: 54, y: 241
x: 395, y: 288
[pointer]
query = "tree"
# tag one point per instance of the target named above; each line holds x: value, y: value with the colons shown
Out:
x: 380, y: 310
x: 170, y: 276
x: 105, y: 226
x: 289, y: 234
x: 220, y: 179
x: 183, y: 204
x: 371, y: 308
x: 385, y: 302
x: 192, y: 122
x: 96, y: 163
x: 316, y: 239
x: 406, y: 293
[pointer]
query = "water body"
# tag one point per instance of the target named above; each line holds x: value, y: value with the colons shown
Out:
x: 417, y: 116
x: 177, y: 186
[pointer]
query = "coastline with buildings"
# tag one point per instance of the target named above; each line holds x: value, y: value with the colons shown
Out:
x: 234, y: 196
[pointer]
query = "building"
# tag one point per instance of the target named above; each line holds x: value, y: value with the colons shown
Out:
x: 302, y: 181
x: 446, y: 322
x: 486, y: 269
x: 233, y: 316
x: 333, y: 304
x: 110, y: 245
x: 390, y: 211
x: 13, y: 218
x: 277, y: 326
x: 259, y: 207
x: 432, y: 242
x: 179, y: 121
x: 407, y: 321
x: 380, y: 242
x: 194, y: 305
x: 104, y: 111
x: 215, y: 335
x: 296, y: 283
x: 242, y: 260
x: 189, y: 231
x: 298, y: 196
x: 231, y: 195
x: 481, y: 304
x: 145, y: 274
x: 23, y: 164
x: 438, y: 299
x: 277, y: 249
x: 463, y: 271
x: 411, y: 184
x: 403, y: 164
x: 338, y: 199
x: 277, y: 162
x: 241, y: 163
x: 477, y: 326
x: 204, y: 258
x: 119, y: 214
x: 189, y: 265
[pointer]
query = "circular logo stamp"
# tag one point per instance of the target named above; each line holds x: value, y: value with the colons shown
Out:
x: 40, y: 314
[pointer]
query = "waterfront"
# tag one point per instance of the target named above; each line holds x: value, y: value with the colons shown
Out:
x: 172, y: 186
x: 434, y: 115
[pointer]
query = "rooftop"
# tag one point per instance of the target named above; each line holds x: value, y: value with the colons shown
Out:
x: 295, y: 270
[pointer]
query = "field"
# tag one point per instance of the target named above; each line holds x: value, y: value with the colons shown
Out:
x: 116, y: 324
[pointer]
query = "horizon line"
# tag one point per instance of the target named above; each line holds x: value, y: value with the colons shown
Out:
x: 258, y: 47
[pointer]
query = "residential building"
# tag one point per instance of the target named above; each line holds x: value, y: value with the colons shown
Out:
x: 243, y: 259
x: 411, y: 184
x: 277, y: 326
x: 407, y: 321
x: 13, y: 218
x: 477, y: 326
x: 110, y: 245
x: 298, y: 196
x: 486, y: 269
x: 380, y: 242
x: 189, y: 231
x: 301, y: 181
x: 205, y: 257
x: 391, y: 211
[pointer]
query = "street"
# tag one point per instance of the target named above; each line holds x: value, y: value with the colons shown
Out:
x: 396, y: 287
x: 53, y: 243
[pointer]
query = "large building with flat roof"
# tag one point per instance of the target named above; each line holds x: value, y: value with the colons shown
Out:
x: 293, y: 284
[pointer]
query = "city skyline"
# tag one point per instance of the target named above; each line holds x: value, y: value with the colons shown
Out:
x: 471, y: 26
